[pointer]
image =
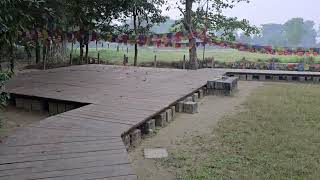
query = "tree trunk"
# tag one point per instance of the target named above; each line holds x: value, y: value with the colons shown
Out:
x: 37, y: 51
x: 81, y: 51
x: 135, y: 45
x: 11, y: 57
x: 87, y: 52
x: 44, y: 52
x: 192, y: 40
x: 71, y: 53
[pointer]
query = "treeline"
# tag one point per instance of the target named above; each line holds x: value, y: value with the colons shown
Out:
x: 296, y: 32
x: 84, y: 16
x: 17, y: 16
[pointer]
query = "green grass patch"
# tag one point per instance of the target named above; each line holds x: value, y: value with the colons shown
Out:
x: 146, y: 54
x: 277, y: 136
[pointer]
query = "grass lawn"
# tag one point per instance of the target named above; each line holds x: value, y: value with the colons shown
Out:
x: 276, y: 136
x: 171, y: 54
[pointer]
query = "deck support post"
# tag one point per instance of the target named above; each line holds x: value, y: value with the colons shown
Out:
x: 190, y: 107
x: 161, y: 119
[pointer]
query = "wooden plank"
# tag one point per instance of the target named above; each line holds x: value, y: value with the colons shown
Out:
x: 70, y: 145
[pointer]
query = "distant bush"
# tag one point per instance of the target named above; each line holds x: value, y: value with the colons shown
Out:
x: 4, y: 76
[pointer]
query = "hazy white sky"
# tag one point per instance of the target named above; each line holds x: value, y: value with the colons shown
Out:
x: 270, y: 11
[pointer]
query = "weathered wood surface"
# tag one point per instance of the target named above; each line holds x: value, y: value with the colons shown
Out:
x: 86, y: 143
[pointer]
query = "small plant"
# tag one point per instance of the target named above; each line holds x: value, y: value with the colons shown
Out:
x: 4, y: 97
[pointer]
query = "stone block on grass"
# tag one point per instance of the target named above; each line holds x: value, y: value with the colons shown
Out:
x: 302, y: 79
x: 161, y: 119
x: 289, y: 78
x: 169, y: 115
x: 243, y: 77
x: 190, y: 107
x: 135, y: 138
x: 173, y: 108
x: 126, y: 141
x: 275, y: 78
x: 179, y: 107
x: 210, y: 84
x: 189, y: 98
x: 262, y: 77
x: 149, y: 126
x: 249, y: 77
x: 201, y: 94
x: 195, y: 97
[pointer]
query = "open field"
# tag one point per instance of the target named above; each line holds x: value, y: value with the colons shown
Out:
x: 274, y: 136
x: 171, y: 54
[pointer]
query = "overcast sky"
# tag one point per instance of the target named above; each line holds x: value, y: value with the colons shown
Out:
x: 270, y: 11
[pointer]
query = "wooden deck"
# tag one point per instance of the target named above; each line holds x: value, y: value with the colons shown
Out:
x: 86, y: 143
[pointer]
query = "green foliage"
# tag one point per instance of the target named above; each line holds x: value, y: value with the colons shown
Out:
x: 214, y: 21
x: 295, y: 32
x: 4, y: 76
x: 294, y: 29
x: 145, y: 13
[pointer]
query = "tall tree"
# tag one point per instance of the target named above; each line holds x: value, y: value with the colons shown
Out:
x: 145, y: 14
x: 214, y: 22
x: 16, y: 16
x: 310, y: 35
x: 294, y: 29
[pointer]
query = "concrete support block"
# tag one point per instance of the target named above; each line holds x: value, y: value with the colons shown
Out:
x: 149, y: 126
x: 195, y: 97
x: 201, y: 94
x: 61, y: 108
x: 189, y: 98
x: 27, y: 104
x: 249, y: 77
x: 289, y: 78
x: 161, y: 119
x: 275, y: 78
x: 309, y: 78
x: 19, y: 102
x: 205, y: 91
x: 179, y: 107
x: 210, y: 84
x: 53, y: 108
x: 135, y: 138
x: 169, y: 115
x: 70, y: 107
x: 302, y: 78
x: 190, y: 107
x: 37, y: 105
x: 315, y: 79
x: 173, y: 110
x: 243, y: 77
x: 126, y: 141
x: 262, y: 77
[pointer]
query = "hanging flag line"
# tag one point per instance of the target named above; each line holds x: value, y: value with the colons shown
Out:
x: 175, y: 40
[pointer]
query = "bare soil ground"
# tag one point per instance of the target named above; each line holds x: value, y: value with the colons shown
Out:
x: 13, y: 118
x: 186, y: 126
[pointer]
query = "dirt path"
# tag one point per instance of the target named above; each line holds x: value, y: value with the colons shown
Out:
x: 13, y: 118
x: 211, y: 110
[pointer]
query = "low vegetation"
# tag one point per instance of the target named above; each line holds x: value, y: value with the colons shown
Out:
x: 4, y: 76
x: 222, y: 55
x: 276, y: 136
